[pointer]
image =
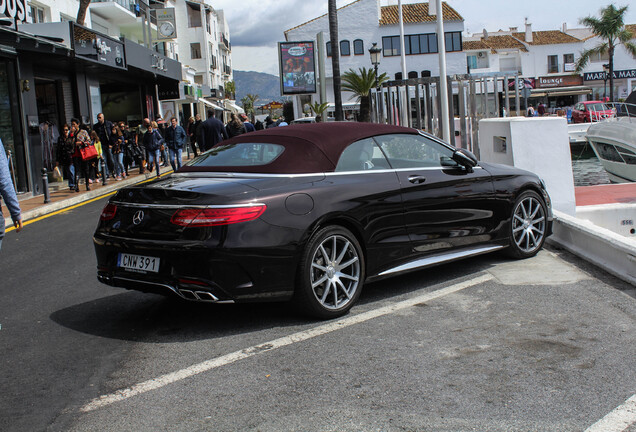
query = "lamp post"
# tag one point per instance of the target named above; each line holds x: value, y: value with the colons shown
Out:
x: 605, y: 77
x: 374, y: 52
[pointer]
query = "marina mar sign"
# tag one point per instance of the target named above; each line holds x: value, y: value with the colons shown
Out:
x: 621, y: 74
x: 16, y: 9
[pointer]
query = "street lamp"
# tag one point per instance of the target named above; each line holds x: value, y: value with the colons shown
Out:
x: 374, y: 52
x: 605, y: 77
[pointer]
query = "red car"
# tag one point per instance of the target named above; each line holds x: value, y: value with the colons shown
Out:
x: 589, y: 111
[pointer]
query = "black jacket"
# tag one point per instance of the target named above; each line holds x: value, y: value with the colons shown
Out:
x: 212, y: 133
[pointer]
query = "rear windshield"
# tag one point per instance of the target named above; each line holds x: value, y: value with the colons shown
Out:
x: 597, y: 107
x: 241, y: 154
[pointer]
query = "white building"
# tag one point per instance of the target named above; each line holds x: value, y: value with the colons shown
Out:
x: 364, y: 22
x: 546, y: 59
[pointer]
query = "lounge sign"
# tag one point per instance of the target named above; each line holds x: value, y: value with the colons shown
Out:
x: 559, y: 81
x: 621, y: 74
x: 98, y: 48
x: 16, y: 9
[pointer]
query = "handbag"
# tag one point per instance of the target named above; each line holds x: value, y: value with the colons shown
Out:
x: 88, y: 152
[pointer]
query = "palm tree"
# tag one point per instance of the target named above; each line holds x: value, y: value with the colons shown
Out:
x: 319, y: 108
x: 610, y: 27
x: 335, y: 59
x: 360, y: 84
x: 248, y: 104
x: 81, y: 12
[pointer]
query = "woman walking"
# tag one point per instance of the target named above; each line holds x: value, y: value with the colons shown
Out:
x: 117, y: 149
x: 152, y: 143
x: 79, y: 139
x: 65, y: 156
x: 235, y: 127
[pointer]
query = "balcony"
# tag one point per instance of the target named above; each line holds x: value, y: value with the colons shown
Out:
x: 227, y: 70
x: 119, y: 11
x: 224, y: 42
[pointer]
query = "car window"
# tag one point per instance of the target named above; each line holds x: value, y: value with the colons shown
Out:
x: 414, y: 151
x: 362, y: 155
x: 241, y: 154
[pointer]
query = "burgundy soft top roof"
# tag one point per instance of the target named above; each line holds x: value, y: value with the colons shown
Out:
x: 309, y: 148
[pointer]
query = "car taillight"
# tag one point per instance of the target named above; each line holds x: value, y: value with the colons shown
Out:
x: 217, y: 216
x: 109, y: 212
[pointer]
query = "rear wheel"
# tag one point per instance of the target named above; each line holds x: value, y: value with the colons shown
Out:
x: 331, y: 273
x: 528, y: 225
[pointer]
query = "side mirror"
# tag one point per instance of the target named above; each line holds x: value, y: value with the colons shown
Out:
x: 465, y: 159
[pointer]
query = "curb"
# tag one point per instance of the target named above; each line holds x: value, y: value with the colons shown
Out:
x: 86, y: 196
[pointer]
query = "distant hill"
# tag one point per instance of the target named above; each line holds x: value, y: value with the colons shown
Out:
x: 266, y: 86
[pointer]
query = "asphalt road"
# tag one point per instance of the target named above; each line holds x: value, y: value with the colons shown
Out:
x: 486, y: 344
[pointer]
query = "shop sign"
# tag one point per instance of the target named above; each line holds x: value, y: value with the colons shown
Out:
x: 599, y: 76
x: 98, y: 48
x: 559, y: 81
x: 168, y: 91
x: 16, y: 9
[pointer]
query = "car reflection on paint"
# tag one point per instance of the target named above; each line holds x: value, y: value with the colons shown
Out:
x: 309, y: 213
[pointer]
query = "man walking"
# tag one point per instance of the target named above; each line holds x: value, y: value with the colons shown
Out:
x: 175, y: 140
x: 104, y: 129
x: 8, y: 194
x: 212, y: 131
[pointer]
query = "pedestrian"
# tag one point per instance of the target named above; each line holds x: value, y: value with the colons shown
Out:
x: 161, y: 127
x: 235, y: 126
x: 197, y: 132
x: 103, y: 128
x: 152, y: 143
x: 259, y: 125
x: 117, y: 149
x: 129, y: 156
x: 175, y: 140
x: 212, y: 131
x: 281, y: 121
x: 79, y: 138
x: 269, y: 123
x: 541, y: 109
x: 8, y: 195
x: 100, y: 155
x: 64, y: 154
x: 139, y: 139
x: 249, y: 127
x: 192, y: 136
x: 530, y: 111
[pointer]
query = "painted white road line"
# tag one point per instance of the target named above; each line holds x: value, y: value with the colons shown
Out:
x: 618, y: 420
x: 207, y: 365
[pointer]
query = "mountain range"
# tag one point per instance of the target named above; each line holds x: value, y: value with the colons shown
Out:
x: 266, y: 86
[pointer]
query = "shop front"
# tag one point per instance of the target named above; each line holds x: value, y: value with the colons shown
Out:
x: 624, y: 83
x: 558, y: 93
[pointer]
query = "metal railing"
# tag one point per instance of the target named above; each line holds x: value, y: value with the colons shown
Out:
x: 623, y: 109
x: 416, y: 102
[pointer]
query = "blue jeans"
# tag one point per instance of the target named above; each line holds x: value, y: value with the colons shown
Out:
x: 155, y: 157
x: 178, y: 152
x: 70, y: 174
x: 118, y: 161
x: 108, y: 158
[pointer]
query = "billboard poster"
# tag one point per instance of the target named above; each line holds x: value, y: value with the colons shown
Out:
x: 297, y: 67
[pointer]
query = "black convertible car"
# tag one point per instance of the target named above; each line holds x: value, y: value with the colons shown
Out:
x: 310, y: 212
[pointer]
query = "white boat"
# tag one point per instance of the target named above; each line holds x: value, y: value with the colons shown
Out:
x: 614, y: 142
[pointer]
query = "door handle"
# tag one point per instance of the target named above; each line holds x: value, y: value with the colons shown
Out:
x: 417, y: 179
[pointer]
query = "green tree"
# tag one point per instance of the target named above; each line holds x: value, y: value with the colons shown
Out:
x: 230, y: 90
x: 360, y: 84
x: 610, y: 28
x: 319, y: 108
x: 248, y: 104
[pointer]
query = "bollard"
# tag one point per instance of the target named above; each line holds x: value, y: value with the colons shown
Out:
x: 45, y: 186
x: 103, y: 172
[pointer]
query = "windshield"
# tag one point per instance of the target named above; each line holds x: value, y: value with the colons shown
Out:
x: 241, y: 154
x: 597, y: 107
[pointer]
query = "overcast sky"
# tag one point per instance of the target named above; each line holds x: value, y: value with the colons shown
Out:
x: 257, y: 25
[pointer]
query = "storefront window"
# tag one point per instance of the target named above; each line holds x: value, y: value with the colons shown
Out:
x: 9, y: 126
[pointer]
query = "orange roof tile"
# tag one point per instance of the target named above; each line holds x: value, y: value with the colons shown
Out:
x: 548, y: 37
x: 494, y: 43
x: 416, y: 13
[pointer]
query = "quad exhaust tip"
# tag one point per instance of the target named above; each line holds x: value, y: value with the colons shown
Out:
x: 202, y: 296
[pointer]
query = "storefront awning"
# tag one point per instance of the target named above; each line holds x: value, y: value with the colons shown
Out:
x: 234, y: 108
x: 211, y: 105
x: 561, y: 91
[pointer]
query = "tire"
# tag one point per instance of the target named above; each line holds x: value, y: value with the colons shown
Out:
x: 528, y: 224
x: 331, y: 273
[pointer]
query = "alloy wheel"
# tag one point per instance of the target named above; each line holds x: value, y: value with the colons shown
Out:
x: 335, y: 272
x: 529, y: 224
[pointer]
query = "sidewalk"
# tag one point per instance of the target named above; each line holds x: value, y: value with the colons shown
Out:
x: 61, y: 197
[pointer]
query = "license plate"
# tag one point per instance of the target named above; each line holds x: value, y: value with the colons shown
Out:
x: 138, y: 263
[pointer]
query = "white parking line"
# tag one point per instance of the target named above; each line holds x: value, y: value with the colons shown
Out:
x: 207, y: 365
x: 618, y: 420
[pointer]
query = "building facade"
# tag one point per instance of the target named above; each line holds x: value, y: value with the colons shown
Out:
x: 364, y: 22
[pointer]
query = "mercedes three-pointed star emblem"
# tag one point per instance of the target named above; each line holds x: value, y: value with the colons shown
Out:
x: 138, y: 217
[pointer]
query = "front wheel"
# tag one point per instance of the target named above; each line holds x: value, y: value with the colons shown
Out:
x: 528, y: 225
x: 331, y: 273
